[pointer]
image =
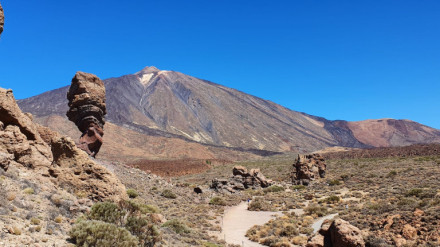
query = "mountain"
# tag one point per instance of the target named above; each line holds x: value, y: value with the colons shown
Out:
x: 174, y: 105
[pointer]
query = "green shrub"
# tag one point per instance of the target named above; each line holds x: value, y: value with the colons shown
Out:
x: 168, y: 194
x: 316, y: 209
x: 132, y: 193
x: 259, y: 204
x: 29, y: 191
x: 147, y: 233
x: 98, y: 233
x: 334, y: 182
x: 107, y: 212
x: 331, y: 199
x: 132, y: 206
x: 273, y: 188
x: 392, y: 174
x: 298, y: 187
x: 217, y: 201
x: 176, y: 226
x: 35, y: 221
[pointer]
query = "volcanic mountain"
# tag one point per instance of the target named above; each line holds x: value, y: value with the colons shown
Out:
x: 174, y: 105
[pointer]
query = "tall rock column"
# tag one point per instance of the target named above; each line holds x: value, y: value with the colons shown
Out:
x: 2, y: 19
x: 87, y: 109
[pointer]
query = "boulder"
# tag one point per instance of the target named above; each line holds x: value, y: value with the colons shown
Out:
x: 241, y: 180
x: 87, y: 109
x: 343, y: 234
x: 409, y: 232
x: 337, y: 233
x: 46, y: 153
x: 240, y: 171
x: 307, y: 168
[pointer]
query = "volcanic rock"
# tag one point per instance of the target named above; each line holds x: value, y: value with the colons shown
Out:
x: 2, y: 19
x: 46, y: 153
x: 241, y: 180
x: 307, y: 168
x: 87, y: 109
x: 340, y: 233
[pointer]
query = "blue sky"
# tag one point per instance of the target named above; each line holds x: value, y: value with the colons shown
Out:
x: 350, y: 60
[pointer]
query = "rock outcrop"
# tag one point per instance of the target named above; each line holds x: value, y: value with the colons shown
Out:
x: 241, y: 179
x: 46, y: 153
x: 307, y: 168
x: 2, y: 19
x: 338, y: 233
x: 87, y: 109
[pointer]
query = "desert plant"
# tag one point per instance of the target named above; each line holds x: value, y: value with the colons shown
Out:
x: 273, y: 188
x: 147, y: 233
x: 259, y: 204
x: 334, y: 182
x: 168, y: 194
x: 132, y: 193
x: 107, y: 212
x: 29, y: 191
x: 217, y: 201
x: 316, y: 209
x: 176, y: 226
x: 98, y: 233
x: 298, y: 187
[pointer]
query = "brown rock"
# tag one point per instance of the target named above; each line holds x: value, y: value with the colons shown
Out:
x: 2, y: 19
x: 418, y: 212
x: 307, y: 168
x: 316, y: 241
x: 74, y: 169
x: 409, y: 232
x: 87, y: 109
x: 343, y: 234
x: 240, y: 171
x: 52, y: 155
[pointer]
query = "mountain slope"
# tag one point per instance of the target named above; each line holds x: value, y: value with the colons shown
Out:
x: 172, y: 104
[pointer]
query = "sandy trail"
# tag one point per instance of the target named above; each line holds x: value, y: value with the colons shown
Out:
x: 237, y: 220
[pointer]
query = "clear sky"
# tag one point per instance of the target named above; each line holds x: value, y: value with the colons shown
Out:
x: 350, y: 60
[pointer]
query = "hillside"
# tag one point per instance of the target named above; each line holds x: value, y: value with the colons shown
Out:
x: 171, y: 104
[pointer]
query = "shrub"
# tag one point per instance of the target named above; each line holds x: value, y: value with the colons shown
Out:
x: 168, y: 194
x: 132, y: 193
x: 29, y: 191
x: 98, y: 233
x: 273, y: 188
x: 176, y: 226
x: 259, y: 204
x: 334, y: 182
x: 316, y: 209
x: 132, y: 206
x: 58, y: 219
x: 147, y: 233
x: 391, y: 174
x: 331, y: 199
x: 35, y: 221
x: 107, y: 212
x: 217, y: 201
x: 298, y: 187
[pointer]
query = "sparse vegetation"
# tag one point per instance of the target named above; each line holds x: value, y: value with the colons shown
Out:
x: 132, y: 193
x: 168, y: 194
x: 217, y: 201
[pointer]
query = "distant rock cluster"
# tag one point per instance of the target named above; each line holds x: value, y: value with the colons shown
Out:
x: 308, y: 167
x: 87, y: 109
x: 241, y: 179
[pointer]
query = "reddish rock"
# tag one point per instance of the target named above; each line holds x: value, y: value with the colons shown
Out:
x: 307, y: 168
x: 316, y: 241
x: 343, y: 234
x: 87, y: 109
x: 409, y: 232
x: 2, y: 19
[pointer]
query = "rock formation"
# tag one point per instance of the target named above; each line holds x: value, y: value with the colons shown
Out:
x: 307, y: 168
x: 2, y: 19
x: 241, y: 179
x: 87, y: 109
x: 46, y: 153
x: 338, y: 233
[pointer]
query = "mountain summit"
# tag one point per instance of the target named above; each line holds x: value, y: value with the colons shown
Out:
x: 172, y: 104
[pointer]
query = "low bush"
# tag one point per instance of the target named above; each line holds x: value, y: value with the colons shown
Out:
x: 168, y: 194
x: 217, y: 201
x: 273, y: 188
x: 176, y: 226
x: 132, y: 193
x: 315, y: 209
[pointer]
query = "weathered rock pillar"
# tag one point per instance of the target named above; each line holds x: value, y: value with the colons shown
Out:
x: 87, y: 109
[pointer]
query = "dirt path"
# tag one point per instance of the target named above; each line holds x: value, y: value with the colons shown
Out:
x: 237, y: 220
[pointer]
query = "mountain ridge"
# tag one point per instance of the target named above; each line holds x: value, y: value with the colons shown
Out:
x: 170, y: 103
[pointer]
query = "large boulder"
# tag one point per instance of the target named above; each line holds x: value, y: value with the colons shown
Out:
x: 2, y: 19
x: 308, y: 167
x: 338, y: 233
x: 46, y: 153
x: 87, y: 109
x: 241, y: 179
